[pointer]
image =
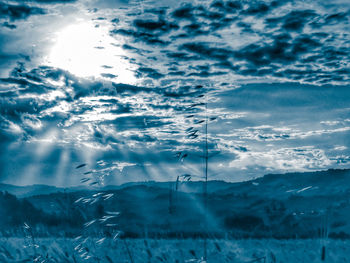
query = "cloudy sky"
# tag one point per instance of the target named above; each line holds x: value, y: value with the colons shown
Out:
x: 125, y: 87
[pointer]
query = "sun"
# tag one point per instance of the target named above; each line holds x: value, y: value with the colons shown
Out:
x: 89, y: 51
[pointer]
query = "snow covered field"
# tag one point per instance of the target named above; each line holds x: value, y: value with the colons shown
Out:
x: 188, y: 250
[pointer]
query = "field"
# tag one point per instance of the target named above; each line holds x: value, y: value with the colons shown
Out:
x: 154, y: 250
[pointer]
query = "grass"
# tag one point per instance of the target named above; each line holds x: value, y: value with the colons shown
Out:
x: 175, y: 250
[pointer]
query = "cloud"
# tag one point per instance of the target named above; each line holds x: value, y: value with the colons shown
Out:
x: 293, y: 21
x: 8, y: 25
x: 284, y: 160
x: 206, y: 50
x: 54, y: 1
x: 159, y: 26
x: 138, y: 122
x: 290, y: 117
x: 256, y: 8
x: 184, y: 12
x: 275, y: 41
x: 16, y: 12
x: 337, y: 18
x: 140, y: 36
x: 149, y: 72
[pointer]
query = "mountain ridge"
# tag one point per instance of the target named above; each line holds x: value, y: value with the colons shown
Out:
x: 185, y: 186
x: 282, y: 206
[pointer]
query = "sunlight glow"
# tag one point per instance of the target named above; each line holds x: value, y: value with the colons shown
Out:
x: 88, y: 51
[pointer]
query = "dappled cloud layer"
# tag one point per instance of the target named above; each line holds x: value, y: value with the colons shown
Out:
x: 125, y: 88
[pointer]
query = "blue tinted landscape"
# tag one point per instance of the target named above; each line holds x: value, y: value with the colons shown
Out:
x: 174, y: 131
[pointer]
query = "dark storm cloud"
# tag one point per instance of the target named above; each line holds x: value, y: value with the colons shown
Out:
x: 284, y: 37
x: 8, y: 25
x: 38, y: 75
x: 13, y: 110
x: 159, y: 26
x: 215, y: 11
x: 204, y: 22
x: 218, y: 14
x: 184, y: 12
x: 25, y: 85
x: 257, y: 8
x: 225, y: 5
x: 18, y: 11
x: 293, y: 21
x: 44, y: 2
x: 337, y: 18
x: 182, y: 56
x: 206, y: 50
x: 53, y: 1
x: 284, y: 49
x: 108, y: 75
x: 140, y: 36
x: 149, y: 72
x: 126, y: 88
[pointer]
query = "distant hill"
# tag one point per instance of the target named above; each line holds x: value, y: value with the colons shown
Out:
x: 281, y: 186
x: 40, y: 189
x: 25, y: 191
x: 276, y: 205
x: 268, y: 185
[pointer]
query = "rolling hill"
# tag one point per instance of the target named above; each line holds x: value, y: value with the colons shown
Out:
x: 276, y: 205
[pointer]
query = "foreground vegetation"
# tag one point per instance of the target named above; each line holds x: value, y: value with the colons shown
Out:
x: 165, y: 250
x: 277, y: 218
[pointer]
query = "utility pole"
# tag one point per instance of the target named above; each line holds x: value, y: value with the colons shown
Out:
x: 206, y: 181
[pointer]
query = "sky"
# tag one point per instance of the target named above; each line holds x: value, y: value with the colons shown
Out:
x: 123, y: 89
